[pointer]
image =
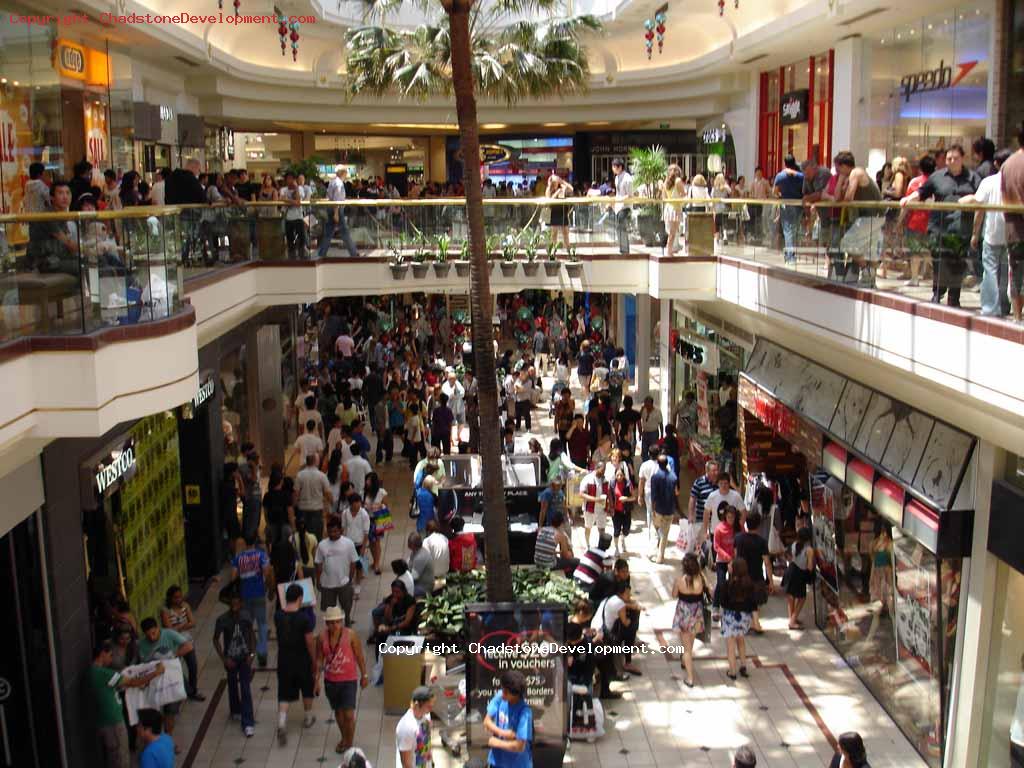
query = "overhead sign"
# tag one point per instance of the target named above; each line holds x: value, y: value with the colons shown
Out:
x: 70, y: 59
x: 714, y: 134
x: 937, y: 79
x: 490, y: 153
x: 117, y: 466
x: 794, y: 107
x: 166, y: 113
x: 204, y: 393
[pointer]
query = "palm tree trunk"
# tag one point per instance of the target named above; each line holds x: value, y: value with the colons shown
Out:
x: 499, y: 567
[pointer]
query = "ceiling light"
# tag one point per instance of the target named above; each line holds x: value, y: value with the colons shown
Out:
x: 3, y: 81
x: 493, y: 126
x: 930, y: 26
x: 431, y: 126
x: 554, y: 125
x: 15, y: 82
x: 599, y: 122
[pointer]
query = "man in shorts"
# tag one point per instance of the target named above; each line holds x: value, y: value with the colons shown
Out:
x: 296, y: 661
x: 594, y: 490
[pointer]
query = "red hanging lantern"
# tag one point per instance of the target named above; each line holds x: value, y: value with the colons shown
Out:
x: 721, y: 7
x: 282, y: 30
x: 237, y: 4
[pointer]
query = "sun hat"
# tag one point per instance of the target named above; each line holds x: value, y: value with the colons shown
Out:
x: 334, y: 613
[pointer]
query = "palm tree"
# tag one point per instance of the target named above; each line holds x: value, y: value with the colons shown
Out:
x: 494, y: 48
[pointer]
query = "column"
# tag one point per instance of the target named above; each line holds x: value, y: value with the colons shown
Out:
x: 620, y: 320
x: 851, y: 94
x: 970, y: 674
x: 643, y: 346
x: 665, y: 357
x: 263, y: 391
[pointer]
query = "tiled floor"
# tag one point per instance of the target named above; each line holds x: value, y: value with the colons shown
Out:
x: 799, y: 697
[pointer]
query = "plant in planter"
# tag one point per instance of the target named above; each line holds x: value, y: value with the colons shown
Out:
x: 531, y: 242
x: 649, y: 167
x: 462, y: 263
x: 441, y: 264
x: 573, y: 266
x: 492, y: 242
x: 552, y: 246
x: 509, y: 249
x: 396, y: 260
x: 419, y: 257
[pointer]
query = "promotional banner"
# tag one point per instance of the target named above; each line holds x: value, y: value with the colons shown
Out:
x: 528, y: 638
x: 97, y: 148
x: 703, y: 417
x: 823, y: 501
x: 16, y: 153
x: 916, y: 607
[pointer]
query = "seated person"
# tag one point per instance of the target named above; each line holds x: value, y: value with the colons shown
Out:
x: 396, y: 615
x: 552, y: 550
x: 401, y: 570
x: 583, y: 660
x: 595, y: 561
x: 461, y: 547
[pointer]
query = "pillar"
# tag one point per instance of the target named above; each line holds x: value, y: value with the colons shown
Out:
x: 620, y: 320
x: 851, y: 95
x: 970, y: 676
x: 436, y: 160
x: 665, y: 357
x: 263, y: 389
x: 643, y: 346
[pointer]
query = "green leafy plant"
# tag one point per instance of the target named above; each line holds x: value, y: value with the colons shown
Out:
x: 553, y: 245
x: 570, y: 252
x: 420, y: 250
x: 395, y: 254
x: 509, y: 247
x: 464, y: 251
x: 530, y: 239
x: 492, y: 243
x: 443, y: 243
x: 648, y: 166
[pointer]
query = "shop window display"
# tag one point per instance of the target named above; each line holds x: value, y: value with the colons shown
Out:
x: 890, y: 608
x: 1004, y: 715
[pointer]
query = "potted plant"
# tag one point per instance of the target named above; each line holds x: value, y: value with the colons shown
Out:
x: 492, y: 243
x: 419, y: 258
x: 462, y: 263
x: 509, y: 248
x: 649, y: 167
x: 573, y: 266
x: 396, y: 260
x: 441, y: 264
x: 551, y: 266
x: 531, y: 240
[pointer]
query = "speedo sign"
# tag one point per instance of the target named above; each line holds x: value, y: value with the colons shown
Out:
x: 937, y: 79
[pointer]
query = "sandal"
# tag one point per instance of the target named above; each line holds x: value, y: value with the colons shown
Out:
x: 730, y: 675
x: 743, y: 672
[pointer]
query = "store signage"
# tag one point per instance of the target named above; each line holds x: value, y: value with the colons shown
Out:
x: 690, y: 352
x: 71, y: 60
x: 938, y: 79
x: 789, y: 425
x: 715, y: 135
x: 204, y: 393
x: 794, y: 107
x: 528, y: 638
x: 703, y: 414
x: 119, y: 465
x: 166, y: 113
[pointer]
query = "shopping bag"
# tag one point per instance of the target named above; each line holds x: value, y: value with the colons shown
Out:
x: 775, y: 545
x: 383, y: 522
x: 587, y: 721
x: 685, y: 539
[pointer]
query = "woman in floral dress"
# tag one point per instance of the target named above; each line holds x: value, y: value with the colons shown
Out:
x: 690, y: 589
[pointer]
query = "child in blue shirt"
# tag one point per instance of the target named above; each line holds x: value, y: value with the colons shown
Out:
x: 509, y: 722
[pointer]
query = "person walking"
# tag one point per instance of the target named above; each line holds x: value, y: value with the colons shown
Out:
x: 752, y: 547
x: 1012, y: 187
x: 412, y: 734
x: 158, y: 645
x: 594, y: 491
x: 664, y: 493
x: 651, y: 422
x: 509, y: 723
x: 157, y: 747
x: 313, y: 496
x: 789, y: 185
x: 249, y: 471
x: 799, y: 573
x: 107, y: 684
x: 251, y: 567
x: 738, y: 607
x: 673, y: 189
x: 690, y: 590
x: 851, y: 752
x: 296, y: 661
x: 177, y: 615
x: 724, y: 545
x: 235, y: 643
x: 335, y: 561
x: 995, y: 301
x: 744, y: 758
x: 341, y: 660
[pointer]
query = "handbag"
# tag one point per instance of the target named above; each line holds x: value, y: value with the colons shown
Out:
x: 705, y: 606
x: 775, y: 545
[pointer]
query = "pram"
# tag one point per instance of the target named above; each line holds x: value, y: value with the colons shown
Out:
x: 451, y: 709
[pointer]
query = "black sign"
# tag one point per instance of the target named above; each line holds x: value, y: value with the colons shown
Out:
x: 690, y: 352
x: 529, y: 638
x: 937, y: 79
x: 619, y: 143
x: 794, y: 107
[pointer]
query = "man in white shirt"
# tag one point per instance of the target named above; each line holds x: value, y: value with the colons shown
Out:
x: 157, y: 193
x: 336, y: 217
x: 456, y: 396
x: 647, y: 470
x: 412, y: 734
x: 355, y: 524
x: 313, y: 495
x: 724, y: 493
x: 436, y: 544
x: 294, y: 224
x: 358, y: 468
x: 309, y: 443
x: 651, y: 422
x: 310, y: 412
x: 335, y: 561
x: 594, y: 491
x: 345, y: 345
x: 994, y: 256
x: 623, y: 213
x: 523, y: 393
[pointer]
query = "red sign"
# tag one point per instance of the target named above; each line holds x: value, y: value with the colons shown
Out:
x: 779, y: 417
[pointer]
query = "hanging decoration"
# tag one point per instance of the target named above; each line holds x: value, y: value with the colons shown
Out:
x: 282, y: 29
x: 287, y: 30
x: 721, y: 6
x: 237, y: 4
x: 659, y: 19
x: 294, y: 38
x: 649, y: 37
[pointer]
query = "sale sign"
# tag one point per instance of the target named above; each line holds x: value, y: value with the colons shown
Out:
x: 96, y: 146
x: 16, y: 153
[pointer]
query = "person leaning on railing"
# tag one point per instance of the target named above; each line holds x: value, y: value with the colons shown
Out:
x: 1012, y: 187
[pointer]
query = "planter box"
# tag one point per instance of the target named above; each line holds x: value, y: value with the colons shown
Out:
x: 462, y: 268
x: 700, y: 234
x: 442, y: 268
x: 420, y: 270
x: 574, y: 268
x: 399, y: 271
x: 508, y: 268
x: 530, y: 268
x: 553, y: 268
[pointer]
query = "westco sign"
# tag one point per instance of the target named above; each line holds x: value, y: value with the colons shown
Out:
x: 116, y: 469
x: 937, y: 79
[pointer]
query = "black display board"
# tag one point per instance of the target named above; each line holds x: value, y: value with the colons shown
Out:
x: 527, y: 637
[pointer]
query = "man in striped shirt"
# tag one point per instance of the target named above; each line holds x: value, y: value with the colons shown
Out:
x: 703, y: 487
x: 594, y: 562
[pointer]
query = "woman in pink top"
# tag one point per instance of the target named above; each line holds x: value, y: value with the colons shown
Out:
x: 340, y: 657
x: 724, y: 540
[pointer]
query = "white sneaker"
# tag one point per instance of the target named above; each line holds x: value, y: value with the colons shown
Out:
x: 308, y: 721
x: 358, y: 590
x: 249, y: 731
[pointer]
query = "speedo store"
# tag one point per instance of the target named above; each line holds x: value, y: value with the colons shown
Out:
x: 890, y: 490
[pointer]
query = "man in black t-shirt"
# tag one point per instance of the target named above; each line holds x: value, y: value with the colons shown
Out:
x: 234, y: 640
x: 752, y: 547
x: 296, y: 661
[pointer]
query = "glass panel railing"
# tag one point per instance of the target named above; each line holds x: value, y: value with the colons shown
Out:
x: 77, y: 272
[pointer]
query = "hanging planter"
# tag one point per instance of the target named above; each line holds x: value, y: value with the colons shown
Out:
x: 420, y: 269
x: 399, y: 271
x: 573, y: 267
x: 462, y: 268
x: 508, y: 268
x: 442, y: 268
x: 531, y: 268
x: 552, y: 267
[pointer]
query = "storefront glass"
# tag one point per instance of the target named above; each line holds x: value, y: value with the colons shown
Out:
x: 890, y: 608
x: 801, y: 134
x: 929, y: 83
x: 235, y: 416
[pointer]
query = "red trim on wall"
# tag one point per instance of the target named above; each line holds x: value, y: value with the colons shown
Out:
x: 827, y: 135
x: 810, y: 106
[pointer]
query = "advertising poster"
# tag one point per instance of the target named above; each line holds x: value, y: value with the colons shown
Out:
x: 97, y: 149
x: 16, y: 153
x: 525, y: 637
x: 916, y: 607
x: 823, y: 501
x: 703, y: 416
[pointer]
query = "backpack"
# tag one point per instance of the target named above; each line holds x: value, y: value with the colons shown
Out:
x: 615, y: 373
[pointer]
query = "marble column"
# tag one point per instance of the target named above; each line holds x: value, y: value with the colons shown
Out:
x: 665, y: 358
